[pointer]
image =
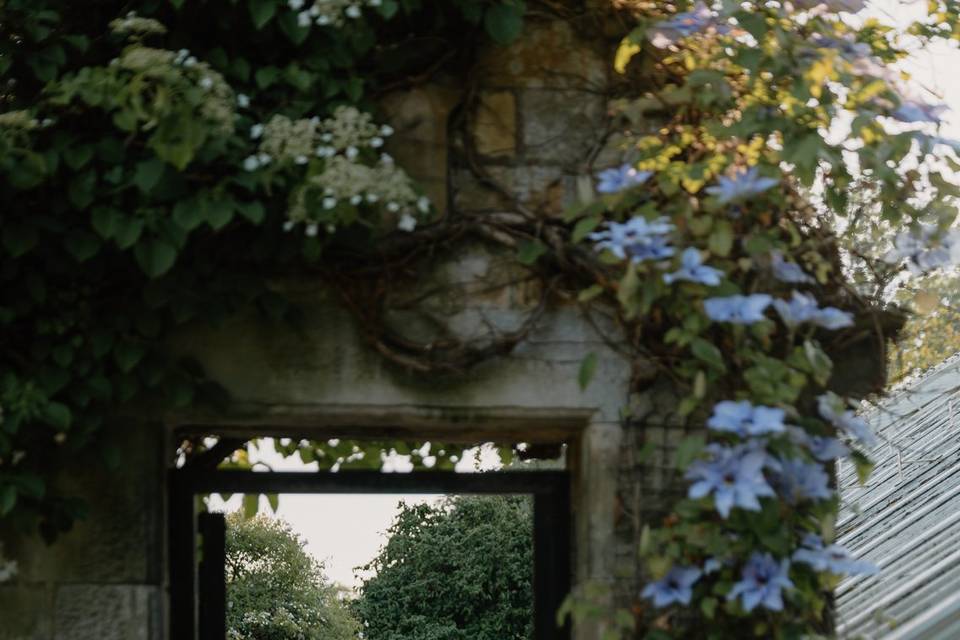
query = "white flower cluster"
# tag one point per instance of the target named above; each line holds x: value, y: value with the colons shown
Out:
x: 20, y: 120
x: 170, y: 67
x: 134, y: 25
x: 346, y: 180
x: 8, y: 568
x: 15, y: 127
x: 285, y: 139
x: 333, y: 13
x: 354, y: 171
x: 350, y: 128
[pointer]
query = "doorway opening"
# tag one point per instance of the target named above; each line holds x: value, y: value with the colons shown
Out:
x: 198, y: 549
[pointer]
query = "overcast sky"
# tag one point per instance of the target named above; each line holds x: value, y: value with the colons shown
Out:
x: 342, y: 531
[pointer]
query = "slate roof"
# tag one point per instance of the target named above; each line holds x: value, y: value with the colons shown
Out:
x: 906, y: 520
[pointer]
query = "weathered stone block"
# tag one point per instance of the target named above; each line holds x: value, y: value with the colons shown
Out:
x: 547, y: 190
x: 561, y: 127
x: 120, y: 540
x: 550, y: 54
x: 327, y: 362
x: 25, y: 613
x: 471, y: 195
x: 118, y: 612
x: 419, y: 144
x: 495, y: 124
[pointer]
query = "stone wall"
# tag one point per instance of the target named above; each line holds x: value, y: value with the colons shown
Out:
x: 104, y: 579
x: 517, y: 133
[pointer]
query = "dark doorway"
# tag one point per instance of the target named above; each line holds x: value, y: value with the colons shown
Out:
x: 197, y: 593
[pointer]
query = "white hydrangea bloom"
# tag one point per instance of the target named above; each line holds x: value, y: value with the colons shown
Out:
x: 285, y: 139
x: 173, y: 67
x: 347, y: 170
x: 329, y: 12
x: 135, y: 26
x: 8, y: 568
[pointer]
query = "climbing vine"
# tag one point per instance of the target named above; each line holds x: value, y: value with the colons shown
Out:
x: 725, y: 220
x: 157, y: 157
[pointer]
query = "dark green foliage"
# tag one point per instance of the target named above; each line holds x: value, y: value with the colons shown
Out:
x: 126, y: 209
x: 459, y: 571
x: 275, y: 590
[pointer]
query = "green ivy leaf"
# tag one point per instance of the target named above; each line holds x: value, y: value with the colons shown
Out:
x: 291, y: 28
x: 504, y: 21
x: 274, y: 501
x: 261, y: 12
x: 584, y: 227
x: 803, y: 151
x: 709, y: 353
x: 388, y: 8
x: 219, y: 213
x: 155, y: 256
x: 31, y: 485
x: 8, y: 499
x: 19, y: 239
x: 127, y: 231
x: 251, y: 504
x: 754, y: 23
x: 252, y: 211
x: 628, y: 292
x: 147, y: 174
x: 58, y: 415
x: 529, y: 252
x: 721, y: 239
x: 80, y: 189
x: 709, y: 607
x: 863, y: 466
x: 82, y: 245
x: 588, y: 367
x: 128, y: 354
x: 78, y: 156
x: 188, y: 214
x: 266, y: 76
x: 104, y: 221
x: 589, y: 293
x: 688, y: 450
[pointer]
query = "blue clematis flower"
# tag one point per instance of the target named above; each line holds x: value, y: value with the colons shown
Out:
x: 852, y: 6
x: 762, y: 582
x: 675, y: 587
x: 652, y: 248
x: 788, y: 271
x: 914, y: 111
x: 833, y: 318
x: 822, y: 448
x: 915, y: 247
x: 712, y: 565
x: 831, y: 409
x: 692, y: 269
x: 733, y: 475
x: 620, y: 178
x: 804, y: 308
x: 637, y: 238
x: 743, y: 184
x: 832, y: 558
x: 683, y: 25
x: 745, y: 419
x: 848, y: 48
x: 801, y: 308
x: 799, y: 480
x: 737, y: 309
x: 825, y: 448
